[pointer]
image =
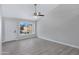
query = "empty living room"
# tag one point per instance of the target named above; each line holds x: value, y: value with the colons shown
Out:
x: 39, y: 29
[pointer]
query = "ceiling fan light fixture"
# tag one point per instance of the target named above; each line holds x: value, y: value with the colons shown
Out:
x: 35, y: 17
x: 36, y: 14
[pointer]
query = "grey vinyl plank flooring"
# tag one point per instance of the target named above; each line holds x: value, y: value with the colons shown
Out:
x: 37, y: 46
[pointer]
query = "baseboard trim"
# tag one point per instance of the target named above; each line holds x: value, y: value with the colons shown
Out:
x: 16, y: 39
x: 59, y: 42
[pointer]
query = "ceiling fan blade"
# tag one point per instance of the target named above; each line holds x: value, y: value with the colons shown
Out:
x: 41, y: 15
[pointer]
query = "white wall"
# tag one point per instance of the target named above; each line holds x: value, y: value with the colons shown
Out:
x: 17, y: 10
x: 0, y: 34
x: 0, y: 30
x: 61, y: 24
x: 10, y: 27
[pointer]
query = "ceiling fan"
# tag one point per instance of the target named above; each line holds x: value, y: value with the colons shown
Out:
x: 37, y: 13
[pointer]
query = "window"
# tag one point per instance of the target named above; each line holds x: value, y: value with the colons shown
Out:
x: 24, y: 27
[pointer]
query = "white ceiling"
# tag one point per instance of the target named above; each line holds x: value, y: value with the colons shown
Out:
x: 25, y: 10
